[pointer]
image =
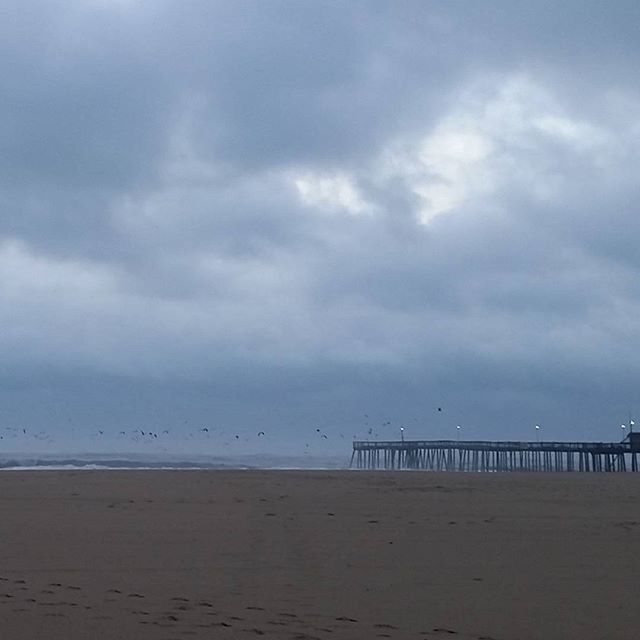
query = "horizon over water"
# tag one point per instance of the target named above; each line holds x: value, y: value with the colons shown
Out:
x: 189, y: 447
x: 16, y: 461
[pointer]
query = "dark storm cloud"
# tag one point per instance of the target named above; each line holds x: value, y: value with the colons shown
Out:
x: 289, y: 212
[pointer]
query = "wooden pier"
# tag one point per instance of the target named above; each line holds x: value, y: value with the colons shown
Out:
x: 487, y: 456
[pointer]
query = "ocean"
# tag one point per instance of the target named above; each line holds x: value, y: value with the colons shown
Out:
x: 93, y: 461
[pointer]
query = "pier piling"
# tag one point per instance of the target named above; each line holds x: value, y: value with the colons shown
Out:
x: 473, y: 455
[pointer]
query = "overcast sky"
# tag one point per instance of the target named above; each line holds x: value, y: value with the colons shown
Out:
x: 284, y: 215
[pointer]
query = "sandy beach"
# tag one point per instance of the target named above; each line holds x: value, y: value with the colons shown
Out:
x: 327, y: 555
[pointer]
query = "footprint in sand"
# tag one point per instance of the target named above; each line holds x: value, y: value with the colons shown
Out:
x: 384, y: 626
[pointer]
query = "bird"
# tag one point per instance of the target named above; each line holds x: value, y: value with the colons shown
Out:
x: 260, y: 433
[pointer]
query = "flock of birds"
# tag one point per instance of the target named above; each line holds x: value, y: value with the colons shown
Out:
x: 165, y: 438
x: 170, y: 438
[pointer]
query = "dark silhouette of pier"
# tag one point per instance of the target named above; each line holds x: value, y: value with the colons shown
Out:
x: 480, y: 455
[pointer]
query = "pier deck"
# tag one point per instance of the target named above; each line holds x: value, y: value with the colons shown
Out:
x: 483, y: 455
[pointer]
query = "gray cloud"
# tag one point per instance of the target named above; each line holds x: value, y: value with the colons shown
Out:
x: 292, y: 214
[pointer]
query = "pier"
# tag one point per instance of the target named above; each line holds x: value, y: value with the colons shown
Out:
x: 493, y: 456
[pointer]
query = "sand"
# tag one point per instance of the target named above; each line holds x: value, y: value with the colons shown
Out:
x: 328, y: 555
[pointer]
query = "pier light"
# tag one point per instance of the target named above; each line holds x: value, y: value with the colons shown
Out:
x: 458, y: 431
x: 623, y: 427
x: 538, y: 432
x: 402, y: 433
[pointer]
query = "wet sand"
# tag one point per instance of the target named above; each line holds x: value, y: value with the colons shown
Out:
x: 327, y: 555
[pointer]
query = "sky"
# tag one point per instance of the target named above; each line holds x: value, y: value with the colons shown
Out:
x: 317, y: 219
